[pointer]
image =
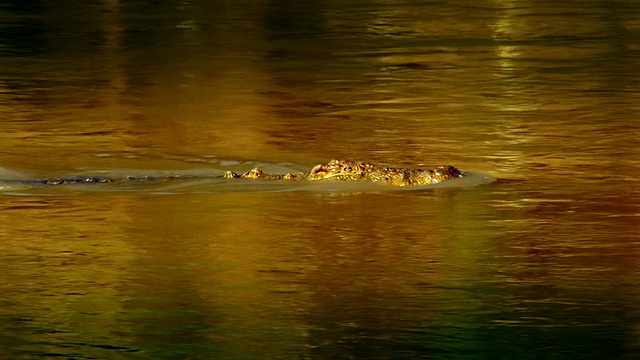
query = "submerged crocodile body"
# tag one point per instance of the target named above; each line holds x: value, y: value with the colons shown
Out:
x: 335, y: 170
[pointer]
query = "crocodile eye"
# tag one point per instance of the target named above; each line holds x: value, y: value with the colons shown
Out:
x: 316, y: 169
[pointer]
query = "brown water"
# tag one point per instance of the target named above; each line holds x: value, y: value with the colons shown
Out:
x: 543, y: 95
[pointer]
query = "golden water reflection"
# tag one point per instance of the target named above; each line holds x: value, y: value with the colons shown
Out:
x: 327, y: 269
x: 542, y: 96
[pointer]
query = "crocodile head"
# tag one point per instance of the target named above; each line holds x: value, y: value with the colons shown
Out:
x: 343, y: 170
x: 339, y: 170
x: 437, y: 175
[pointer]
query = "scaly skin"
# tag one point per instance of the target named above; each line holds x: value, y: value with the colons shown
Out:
x: 335, y: 170
x: 343, y: 170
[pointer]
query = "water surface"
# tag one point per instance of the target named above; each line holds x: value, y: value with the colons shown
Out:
x: 541, y: 95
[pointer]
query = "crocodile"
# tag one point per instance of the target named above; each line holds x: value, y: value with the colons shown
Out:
x: 344, y: 170
x: 335, y: 170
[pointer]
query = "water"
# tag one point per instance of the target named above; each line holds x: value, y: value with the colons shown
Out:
x: 541, y: 95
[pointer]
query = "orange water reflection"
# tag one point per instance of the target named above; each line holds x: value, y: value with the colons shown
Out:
x: 542, y: 96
